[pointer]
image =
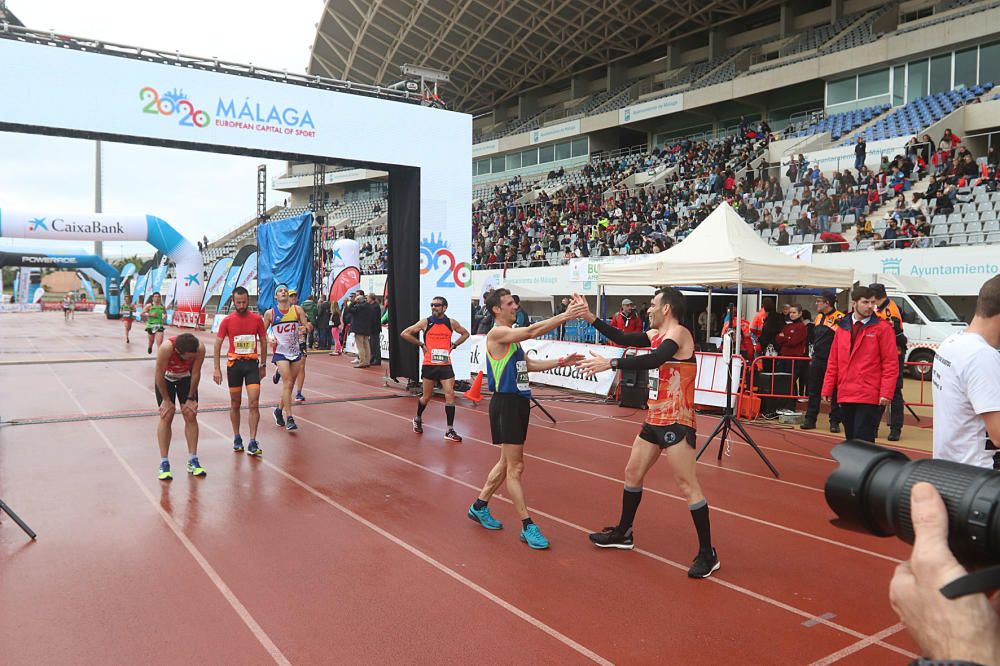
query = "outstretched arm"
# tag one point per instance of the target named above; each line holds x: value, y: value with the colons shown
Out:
x: 662, y: 354
x: 630, y: 339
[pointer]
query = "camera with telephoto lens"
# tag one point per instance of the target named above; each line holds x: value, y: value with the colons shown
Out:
x: 871, y: 489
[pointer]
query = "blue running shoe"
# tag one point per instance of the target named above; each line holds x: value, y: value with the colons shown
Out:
x: 532, y: 536
x: 291, y: 424
x: 277, y: 377
x: 299, y: 397
x: 253, y: 449
x: 165, y: 473
x: 238, y: 444
x: 194, y: 468
x: 484, y: 518
x: 279, y: 419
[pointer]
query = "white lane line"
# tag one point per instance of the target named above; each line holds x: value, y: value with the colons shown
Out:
x: 202, y: 561
x: 874, y: 639
x: 677, y: 565
x: 413, y: 550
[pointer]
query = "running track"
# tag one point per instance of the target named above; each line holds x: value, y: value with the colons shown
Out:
x: 348, y: 541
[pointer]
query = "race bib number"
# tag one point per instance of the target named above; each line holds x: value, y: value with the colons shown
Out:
x: 522, y: 376
x: 245, y: 344
x: 441, y: 356
x: 654, y: 384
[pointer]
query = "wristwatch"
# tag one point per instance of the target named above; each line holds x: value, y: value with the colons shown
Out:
x: 614, y: 364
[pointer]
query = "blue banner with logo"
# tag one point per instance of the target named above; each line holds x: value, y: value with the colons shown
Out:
x: 284, y: 257
x: 87, y: 287
x: 234, y: 273
x: 216, y: 278
x: 158, y: 275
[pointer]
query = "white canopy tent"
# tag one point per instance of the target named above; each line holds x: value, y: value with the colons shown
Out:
x: 724, y: 251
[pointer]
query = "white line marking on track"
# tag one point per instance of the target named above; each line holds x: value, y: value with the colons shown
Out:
x: 874, y: 639
x: 209, y: 570
x: 506, y: 605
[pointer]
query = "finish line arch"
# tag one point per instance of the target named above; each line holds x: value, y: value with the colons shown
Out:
x: 39, y: 225
x: 74, y: 87
x: 70, y: 262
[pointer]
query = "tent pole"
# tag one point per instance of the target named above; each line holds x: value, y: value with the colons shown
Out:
x: 708, y: 317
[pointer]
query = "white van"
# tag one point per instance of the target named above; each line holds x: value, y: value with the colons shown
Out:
x: 927, y: 318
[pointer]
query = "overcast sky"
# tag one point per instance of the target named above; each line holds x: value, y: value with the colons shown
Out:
x: 199, y: 193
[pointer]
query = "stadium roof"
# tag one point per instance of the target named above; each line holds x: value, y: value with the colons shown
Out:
x: 496, y: 49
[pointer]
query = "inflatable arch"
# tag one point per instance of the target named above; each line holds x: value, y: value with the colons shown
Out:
x: 42, y: 225
x: 77, y: 262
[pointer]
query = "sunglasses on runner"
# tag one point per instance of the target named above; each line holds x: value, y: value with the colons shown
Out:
x: 437, y: 305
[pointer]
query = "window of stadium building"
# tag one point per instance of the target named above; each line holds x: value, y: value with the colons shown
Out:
x: 557, y: 152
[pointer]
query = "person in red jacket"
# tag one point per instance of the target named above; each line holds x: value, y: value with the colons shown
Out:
x: 627, y: 320
x: 792, y: 342
x: 863, y: 367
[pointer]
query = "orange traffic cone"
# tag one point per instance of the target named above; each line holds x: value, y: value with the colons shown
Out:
x: 475, y: 393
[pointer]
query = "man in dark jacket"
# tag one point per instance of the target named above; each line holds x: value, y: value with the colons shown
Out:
x: 887, y: 310
x: 376, y: 331
x: 323, y: 323
x: 361, y: 326
x: 862, y: 368
x: 825, y: 328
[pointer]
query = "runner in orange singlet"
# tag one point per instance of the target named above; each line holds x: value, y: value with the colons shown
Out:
x: 437, y: 347
x: 669, y: 422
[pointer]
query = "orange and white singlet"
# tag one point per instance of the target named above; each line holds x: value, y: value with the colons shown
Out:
x: 671, y: 392
x: 437, y: 341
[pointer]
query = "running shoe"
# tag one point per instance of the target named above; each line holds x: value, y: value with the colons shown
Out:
x: 704, y: 565
x: 238, y: 444
x: 291, y: 424
x: 195, y: 468
x: 165, y: 473
x: 149, y: 349
x: 452, y: 436
x: 532, y: 536
x: 612, y: 537
x: 418, y: 426
x: 279, y: 420
x: 253, y: 449
x: 299, y: 397
x: 834, y: 428
x: 484, y: 518
x: 277, y: 377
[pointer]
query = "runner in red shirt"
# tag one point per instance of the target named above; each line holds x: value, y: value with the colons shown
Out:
x: 246, y: 364
x: 177, y: 374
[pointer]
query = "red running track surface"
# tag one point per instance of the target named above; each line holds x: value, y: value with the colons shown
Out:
x: 348, y: 541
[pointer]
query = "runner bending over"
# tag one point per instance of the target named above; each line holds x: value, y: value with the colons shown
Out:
x: 176, y: 377
x: 670, y: 422
x: 437, y: 347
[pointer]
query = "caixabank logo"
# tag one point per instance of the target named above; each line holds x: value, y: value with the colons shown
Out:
x: 38, y: 224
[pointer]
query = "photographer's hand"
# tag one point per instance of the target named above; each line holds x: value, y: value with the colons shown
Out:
x: 962, y: 629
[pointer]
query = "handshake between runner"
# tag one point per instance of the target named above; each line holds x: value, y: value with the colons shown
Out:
x: 579, y: 309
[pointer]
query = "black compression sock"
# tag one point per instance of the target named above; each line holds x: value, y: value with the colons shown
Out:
x: 420, y: 407
x: 525, y: 522
x: 449, y: 411
x: 479, y: 504
x: 630, y: 504
x: 699, y: 514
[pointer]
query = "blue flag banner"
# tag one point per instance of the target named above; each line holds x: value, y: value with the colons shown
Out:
x: 234, y: 272
x: 284, y: 257
x: 216, y: 279
x: 89, y: 288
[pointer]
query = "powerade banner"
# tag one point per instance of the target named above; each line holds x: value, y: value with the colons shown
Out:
x: 249, y: 272
x: 216, y: 278
x: 43, y: 224
x: 234, y: 273
x: 285, y: 258
x: 345, y: 267
x: 87, y: 287
x: 142, y: 277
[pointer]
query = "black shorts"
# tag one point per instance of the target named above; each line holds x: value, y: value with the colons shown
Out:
x: 242, y: 371
x: 302, y: 347
x: 437, y: 372
x: 665, y: 436
x: 176, y: 391
x: 509, y: 414
x: 153, y: 330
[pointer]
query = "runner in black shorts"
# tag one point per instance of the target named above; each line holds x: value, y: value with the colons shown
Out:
x: 246, y: 364
x: 507, y: 371
x: 437, y: 347
x: 177, y: 374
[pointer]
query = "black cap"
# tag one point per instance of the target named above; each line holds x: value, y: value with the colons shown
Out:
x: 878, y: 288
x: 829, y: 297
